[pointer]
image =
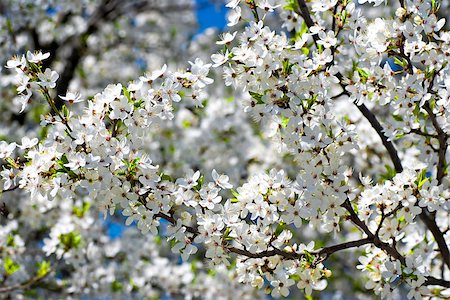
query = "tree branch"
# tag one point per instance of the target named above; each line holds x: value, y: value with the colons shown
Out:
x: 430, y: 222
x: 289, y: 255
x: 442, y: 137
x: 25, y: 284
x: 379, y: 129
x: 304, y: 12
x: 10, y: 189
x: 323, y: 253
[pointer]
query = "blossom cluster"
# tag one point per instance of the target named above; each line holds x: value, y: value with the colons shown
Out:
x: 289, y: 82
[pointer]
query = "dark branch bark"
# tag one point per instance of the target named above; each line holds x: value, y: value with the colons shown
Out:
x: 10, y: 189
x: 79, y: 46
x: 289, y: 255
x: 304, y: 12
x: 323, y: 253
x: 442, y: 138
x: 430, y: 222
x: 429, y: 219
x: 379, y: 129
x: 25, y: 284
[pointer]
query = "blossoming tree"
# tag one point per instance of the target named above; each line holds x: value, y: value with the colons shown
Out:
x: 328, y: 154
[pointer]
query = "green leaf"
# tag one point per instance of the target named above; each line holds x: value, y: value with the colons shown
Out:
x: 138, y: 103
x: 173, y: 31
x: 226, y: 235
x: 165, y: 177
x: 399, y: 135
x: 11, y: 162
x: 43, y: 268
x: 309, y: 257
x: 199, y: 184
x: 295, y: 277
x: 402, y: 63
x: 10, y: 266
x: 422, y: 178
x: 287, y: 67
x: 305, y: 50
x: 212, y: 272
x: 344, y: 15
x: 257, y: 97
x: 280, y: 227
x: 81, y: 211
x: 291, y: 5
x: 229, y: 99
x: 362, y: 73
x: 284, y: 121
x: 134, y: 287
x: 70, y: 240
x: 37, y: 112
x: 186, y: 124
x: 194, y: 266
x: 10, y: 241
x: 9, y: 25
x: 116, y: 286
x: 304, y: 29
x: 390, y: 173
x: 434, y: 5
x: 398, y: 118
x: 63, y: 160
x: 43, y: 133
x: 298, y: 35
x: 65, y: 111
x: 126, y: 93
x: 429, y: 73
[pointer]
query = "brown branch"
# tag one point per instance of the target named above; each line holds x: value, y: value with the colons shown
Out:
x: 327, y: 251
x: 262, y: 254
x: 25, y: 284
x: 425, y: 134
x: 437, y: 281
x: 10, y: 189
x: 430, y: 222
x: 393, y: 154
x: 429, y: 219
x: 4, y: 211
x: 379, y: 129
x: 391, y: 250
x: 355, y: 219
x: 323, y: 253
x: 304, y: 12
x: 442, y: 138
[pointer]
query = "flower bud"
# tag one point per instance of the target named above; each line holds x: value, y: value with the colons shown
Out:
x: 400, y: 12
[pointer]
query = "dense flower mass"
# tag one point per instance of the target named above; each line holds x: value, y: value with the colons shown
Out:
x: 317, y: 127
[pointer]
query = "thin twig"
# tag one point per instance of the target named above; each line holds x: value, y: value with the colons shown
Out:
x: 25, y: 284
